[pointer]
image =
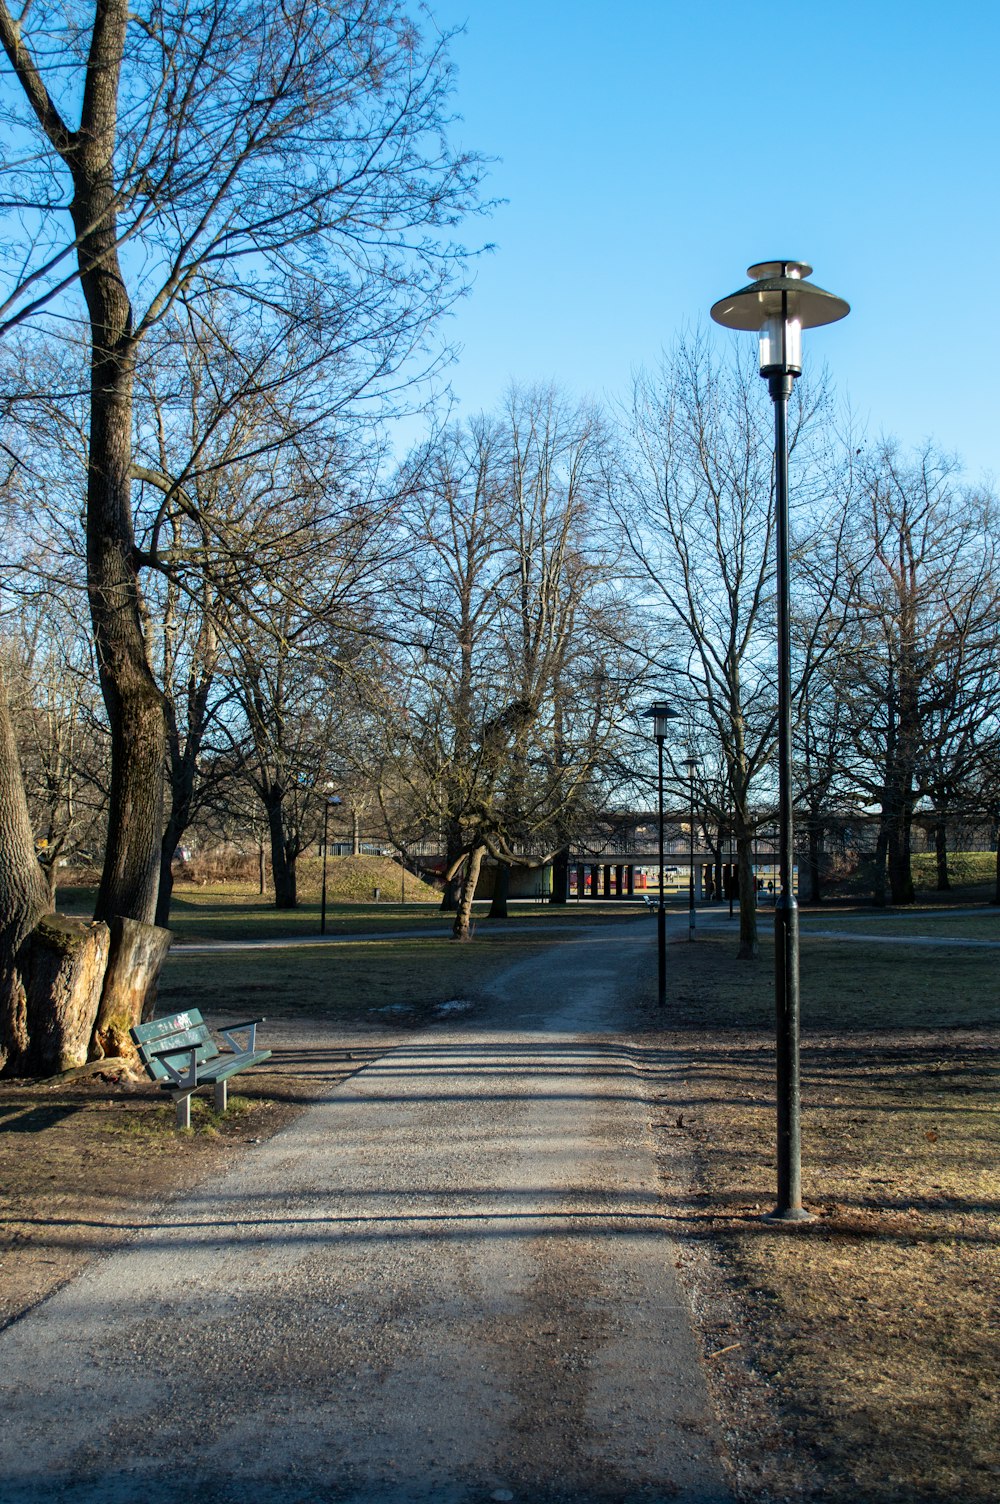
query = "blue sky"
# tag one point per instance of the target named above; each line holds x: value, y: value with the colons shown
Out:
x: 651, y: 151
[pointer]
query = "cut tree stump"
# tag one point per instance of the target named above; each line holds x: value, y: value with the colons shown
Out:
x: 64, y: 962
x: 137, y: 954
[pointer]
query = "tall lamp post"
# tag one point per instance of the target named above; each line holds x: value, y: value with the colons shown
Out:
x: 691, y: 763
x: 330, y: 800
x: 779, y: 303
x: 661, y: 715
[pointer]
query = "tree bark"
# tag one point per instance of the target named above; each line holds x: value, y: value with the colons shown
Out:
x: 282, y: 861
x: 23, y: 889
x: 454, y: 857
x: 501, y: 888
x: 64, y: 966
x: 129, y: 994
x: 131, y: 696
x: 463, y: 919
x: 814, y: 850
x: 748, y: 945
x: 898, y: 858
x: 560, y: 877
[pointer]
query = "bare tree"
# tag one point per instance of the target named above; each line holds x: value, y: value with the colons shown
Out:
x: 297, y: 163
x: 918, y: 678
x: 698, y: 521
x: 503, y: 710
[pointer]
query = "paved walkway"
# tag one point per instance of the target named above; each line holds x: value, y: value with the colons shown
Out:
x: 447, y: 1281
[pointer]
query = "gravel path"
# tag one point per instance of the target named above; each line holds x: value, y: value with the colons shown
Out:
x: 446, y: 1281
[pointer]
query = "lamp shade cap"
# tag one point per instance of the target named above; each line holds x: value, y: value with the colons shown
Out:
x: 751, y: 306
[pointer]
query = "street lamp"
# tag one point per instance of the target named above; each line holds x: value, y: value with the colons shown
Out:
x: 661, y: 715
x: 779, y: 303
x: 329, y: 800
x: 691, y: 763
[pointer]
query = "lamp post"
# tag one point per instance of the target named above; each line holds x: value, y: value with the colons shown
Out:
x: 661, y: 715
x: 779, y: 303
x: 691, y: 763
x: 329, y: 799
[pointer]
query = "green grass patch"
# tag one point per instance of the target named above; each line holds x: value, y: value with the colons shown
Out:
x: 933, y: 924
x: 349, y: 982
x: 963, y: 867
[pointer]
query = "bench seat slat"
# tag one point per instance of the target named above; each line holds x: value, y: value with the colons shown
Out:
x: 223, y: 1067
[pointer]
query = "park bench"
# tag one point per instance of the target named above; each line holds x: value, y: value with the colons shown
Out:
x: 180, y: 1054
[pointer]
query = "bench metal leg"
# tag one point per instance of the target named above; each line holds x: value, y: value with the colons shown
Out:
x: 221, y: 1095
x: 184, y: 1111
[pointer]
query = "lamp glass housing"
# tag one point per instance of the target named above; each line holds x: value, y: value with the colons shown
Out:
x: 661, y: 715
x: 781, y: 345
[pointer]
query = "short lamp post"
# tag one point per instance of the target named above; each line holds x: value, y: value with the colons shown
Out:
x: 691, y: 763
x: 661, y: 715
x: 330, y: 800
x: 778, y: 304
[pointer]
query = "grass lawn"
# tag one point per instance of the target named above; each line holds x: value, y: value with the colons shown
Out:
x: 937, y: 924
x: 345, y: 982
x: 873, y: 1328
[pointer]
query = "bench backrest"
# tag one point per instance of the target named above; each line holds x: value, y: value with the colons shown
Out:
x: 181, y: 1030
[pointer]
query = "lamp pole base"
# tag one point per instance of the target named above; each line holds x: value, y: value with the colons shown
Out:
x: 796, y: 1214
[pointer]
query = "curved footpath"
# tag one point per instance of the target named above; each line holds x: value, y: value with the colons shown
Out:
x: 447, y: 1281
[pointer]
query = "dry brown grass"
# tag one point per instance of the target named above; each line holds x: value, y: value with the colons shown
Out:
x: 873, y: 1329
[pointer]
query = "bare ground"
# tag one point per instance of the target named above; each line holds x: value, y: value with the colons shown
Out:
x: 855, y: 1358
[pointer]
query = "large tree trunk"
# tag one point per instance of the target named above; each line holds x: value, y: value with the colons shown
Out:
x: 133, y: 701
x: 463, y: 919
x: 898, y: 858
x: 23, y: 890
x: 64, y: 967
x: 282, y: 863
x: 814, y: 851
x: 560, y: 877
x: 501, y: 888
x: 748, y: 945
x: 137, y: 955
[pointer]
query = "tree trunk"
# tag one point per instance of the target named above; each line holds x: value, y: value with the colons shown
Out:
x: 501, y: 887
x: 64, y: 965
x: 129, y: 995
x: 131, y: 696
x: 941, y: 856
x: 282, y: 866
x: 748, y: 946
x: 261, y: 873
x: 898, y: 859
x: 455, y: 856
x: 463, y: 919
x: 23, y: 890
x: 560, y: 877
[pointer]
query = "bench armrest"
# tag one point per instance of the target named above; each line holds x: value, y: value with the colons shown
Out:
x: 187, y: 1078
x: 231, y: 1029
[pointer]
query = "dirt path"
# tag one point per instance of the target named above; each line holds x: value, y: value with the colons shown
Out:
x: 448, y: 1280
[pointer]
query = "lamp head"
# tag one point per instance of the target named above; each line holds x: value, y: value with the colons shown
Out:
x: 661, y: 714
x: 779, y: 303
